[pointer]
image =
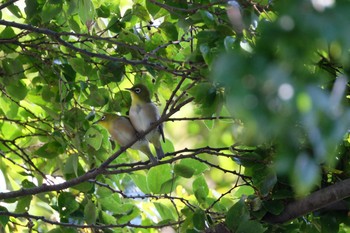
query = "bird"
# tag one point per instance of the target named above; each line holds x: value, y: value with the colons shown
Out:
x: 123, y: 132
x: 143, y: 113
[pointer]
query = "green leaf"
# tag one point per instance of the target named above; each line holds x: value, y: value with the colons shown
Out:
x: 198, y: 167
x: 3, y: 218
x: 184, y: 170
x: 157, y: 176
x: 31, y: 9
x: 115, y: 25
x: 72, y: 164
x: 237, y: 215
x: 7, y: 33
x: 244, y: 190
x: 200, y: 189
x: 274, y: 206
x: 208, y: 18
x: 17, y: 90
x: 107, y: 218
x: 50, y: 11
x: 94, y: 138
x: 133, y: 213
x: 50, y: 150
x: 103, y: 11
x: 141, y: 12
x: 67, y: 203
x: 13, y: 69
x: 15, y: 10
x: 23, y: 204
x: 86, y: 11
x: 266, y: 181
x: 80, y: 65
x: 140, y: 181
x: 90, y: 212
x: 152, y: 8
x: 112, y: 203
x: 250, y: 226
x: 169, y: 30
x: 166, y: 212
x: 199, y: 220
x: 113, y: 71
x: 63, y: 230
x: 206, y: 53
x: 98, y: 97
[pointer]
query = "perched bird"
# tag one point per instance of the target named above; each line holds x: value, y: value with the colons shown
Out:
x: 143, y: 113
x: 122, y: 131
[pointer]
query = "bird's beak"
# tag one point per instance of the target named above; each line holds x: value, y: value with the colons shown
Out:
x: 128, y: 89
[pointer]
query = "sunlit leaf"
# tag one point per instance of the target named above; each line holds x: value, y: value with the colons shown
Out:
x: 157, y: 176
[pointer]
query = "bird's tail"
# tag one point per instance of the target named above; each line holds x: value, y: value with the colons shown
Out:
x: 160, y: 152
x: 146, y: 150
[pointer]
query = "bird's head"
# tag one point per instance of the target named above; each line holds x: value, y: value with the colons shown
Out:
x: 140, y: 93
x: 107, y: 120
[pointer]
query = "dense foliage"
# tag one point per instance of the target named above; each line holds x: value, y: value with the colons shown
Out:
x: 254, y: 97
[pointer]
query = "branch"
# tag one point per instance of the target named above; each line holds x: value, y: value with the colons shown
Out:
x: 315, y: 201
x: 57, y: 37
x: 93, y: 172
x: 6, y: 4
x: 91, y: 226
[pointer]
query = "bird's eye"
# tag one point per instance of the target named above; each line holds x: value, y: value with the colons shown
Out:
x: 137, y: 90
x: 103, y: 118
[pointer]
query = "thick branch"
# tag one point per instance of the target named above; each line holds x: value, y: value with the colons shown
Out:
x: 315, y: 201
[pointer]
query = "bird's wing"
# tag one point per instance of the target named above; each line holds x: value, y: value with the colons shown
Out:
x: 153, y: 112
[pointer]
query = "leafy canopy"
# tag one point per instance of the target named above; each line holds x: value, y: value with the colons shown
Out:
x: 255, y: 101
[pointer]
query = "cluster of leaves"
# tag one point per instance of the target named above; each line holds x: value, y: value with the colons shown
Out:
x: 65, y: 63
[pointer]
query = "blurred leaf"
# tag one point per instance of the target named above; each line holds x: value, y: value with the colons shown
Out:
x: 107, y: 218
x: 199, y: 219
x: 3, y: 218
x: 169, y: 30
x: 23, y: 204
x: 112, y: 72
x: 140, y: 181
x: 17, y: 90
x: 141, y: 12
x: 237, y: 215
x: 98, y: 97
x: 275, y: 206
x: 50, y: 150
x: 200, y: 189
x: 250, y: 226
x: 94, y: 138
x: 86, y: 10
x: 80, y: 65
x: 195, y: 164
x: 50, y: 10
x: 183, y: 170
x: 166, y: 212
x: 208, y: 18
x: 67, y: 203
x: 15, y: 10
x: 63, y: 230
x: 157, y: 176
x: 90, y: 212
x: 306, y: 174
x: 103, y: 11
x: 135, y: 212
x: 72, y: 164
